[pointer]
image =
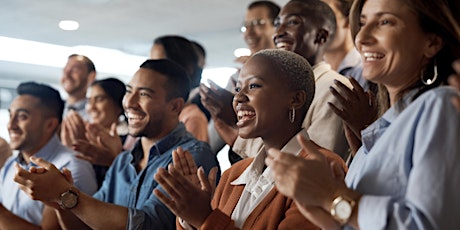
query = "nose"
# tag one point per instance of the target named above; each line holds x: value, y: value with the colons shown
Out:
x: 12, y: 123
x: 130, y: 100
x: 280, y: 31
x: 364, y: 35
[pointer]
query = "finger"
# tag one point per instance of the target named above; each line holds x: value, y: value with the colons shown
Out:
x: 190, y: 162
x: 337, y: 111
x: 167, y: 183
x: 212, y: 178
x: 177, y: 161
x: 204, y: 181
x: 213, y: 85
x: 21, y: 175
x: 340, y: 98
x: 67, y: 174
x: 166, y: 200
x: 346, y: 92
x: 309, y: 148
x: 40, y: 162
x: 357, y: 87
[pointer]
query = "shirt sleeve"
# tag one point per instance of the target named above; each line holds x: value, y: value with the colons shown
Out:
x: 431, y: 199
x: 83, y: 175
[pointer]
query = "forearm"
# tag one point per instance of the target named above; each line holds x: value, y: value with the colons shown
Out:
x: 97, y: 214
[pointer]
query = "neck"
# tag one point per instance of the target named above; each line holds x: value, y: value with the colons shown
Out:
x: 76, y: 97
x: 279, y: 141
x: 336, y: 56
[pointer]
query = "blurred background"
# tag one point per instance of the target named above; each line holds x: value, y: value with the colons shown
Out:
x: 36, y: 37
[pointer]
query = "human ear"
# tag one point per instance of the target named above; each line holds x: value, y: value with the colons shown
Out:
x: 176, y: 105
x: 321, y: 36
x: 433, y: 45
x: 298, y: 99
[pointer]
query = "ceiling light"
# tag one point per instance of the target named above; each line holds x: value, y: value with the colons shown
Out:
x: 242, y: 52
x: 69, y: 25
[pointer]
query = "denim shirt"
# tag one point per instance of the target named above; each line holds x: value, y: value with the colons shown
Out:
x: 124, y: 186
x: 408, y: 168
x: 17, y: 201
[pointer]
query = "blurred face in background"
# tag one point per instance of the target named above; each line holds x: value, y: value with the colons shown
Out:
x: 76, y: 76
x: 101, y: 108
x: 258, y: 29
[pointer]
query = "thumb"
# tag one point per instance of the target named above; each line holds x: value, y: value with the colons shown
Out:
x: 42, y: 163
x: 309, y: 148
x: 213, y: 85
x: 67, y: 174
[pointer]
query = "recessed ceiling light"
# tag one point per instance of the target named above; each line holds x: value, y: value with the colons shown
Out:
x: 69, y: 25
x: 242, y: 52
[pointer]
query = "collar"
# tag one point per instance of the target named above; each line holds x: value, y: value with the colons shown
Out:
x: 320, y: 69
x: 46, y: 152
x: 255, y: 169
x: 77, y: 106
x: 161, y: 146
x: 352, y: 59
x: 373, y: 132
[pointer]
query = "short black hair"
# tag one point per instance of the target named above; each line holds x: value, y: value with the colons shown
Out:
x: 178, y: 83
x: 181, y: 51
x: 273, y: 8
x: 50, y: 99
x: 114, y: 88
x: 199, y: 48
x: 88, y: 62
x: 322, y: 14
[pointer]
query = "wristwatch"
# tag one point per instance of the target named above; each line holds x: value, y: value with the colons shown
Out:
x: 69, y: 198
x: 342, y: 208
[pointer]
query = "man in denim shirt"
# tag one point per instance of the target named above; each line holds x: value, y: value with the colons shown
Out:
x: 154, y: 98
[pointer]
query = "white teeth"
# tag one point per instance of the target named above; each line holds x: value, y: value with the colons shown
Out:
x: 281, y: 45
x: 242, y: 113
x: 133, y: 116
x: 372, y: 56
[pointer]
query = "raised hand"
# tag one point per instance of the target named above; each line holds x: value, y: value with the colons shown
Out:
x: 184, y: 198
x: 218, y: 101
x: 357, y: 108
x: 72, y: 129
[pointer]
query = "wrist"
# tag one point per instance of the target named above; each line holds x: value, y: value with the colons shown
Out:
x: 344, y: 206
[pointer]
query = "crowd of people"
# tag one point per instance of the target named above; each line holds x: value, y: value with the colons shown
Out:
x: 345, y: 115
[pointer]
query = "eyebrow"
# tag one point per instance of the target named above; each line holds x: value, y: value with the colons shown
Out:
x: 380, y: 14
x: 250, y: 78
x: 141, y: 88
x: 19, y: 110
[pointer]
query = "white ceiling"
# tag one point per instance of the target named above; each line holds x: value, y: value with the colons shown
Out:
x: 126, y: 25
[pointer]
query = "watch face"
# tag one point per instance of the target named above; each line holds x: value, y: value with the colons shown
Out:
x: 343, y: 209
x: 69, y: 200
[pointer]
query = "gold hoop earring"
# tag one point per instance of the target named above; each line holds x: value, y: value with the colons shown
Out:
x: 292, y: 115
x: 435, y: 75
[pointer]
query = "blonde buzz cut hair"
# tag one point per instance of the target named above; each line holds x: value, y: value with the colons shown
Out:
x: 294, y: 69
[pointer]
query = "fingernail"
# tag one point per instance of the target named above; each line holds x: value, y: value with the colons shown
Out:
x: 331, y: 88
x: 335, y: 81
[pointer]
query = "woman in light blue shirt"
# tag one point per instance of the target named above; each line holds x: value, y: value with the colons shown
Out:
x: 406, y: 175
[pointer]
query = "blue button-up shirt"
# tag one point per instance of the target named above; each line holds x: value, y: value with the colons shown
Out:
x: 19, y: 203
x: 124, y: 186
x: 409, y: 166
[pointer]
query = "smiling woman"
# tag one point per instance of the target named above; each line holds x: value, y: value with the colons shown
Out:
x: 395, y: 181
x: 245, y: 197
